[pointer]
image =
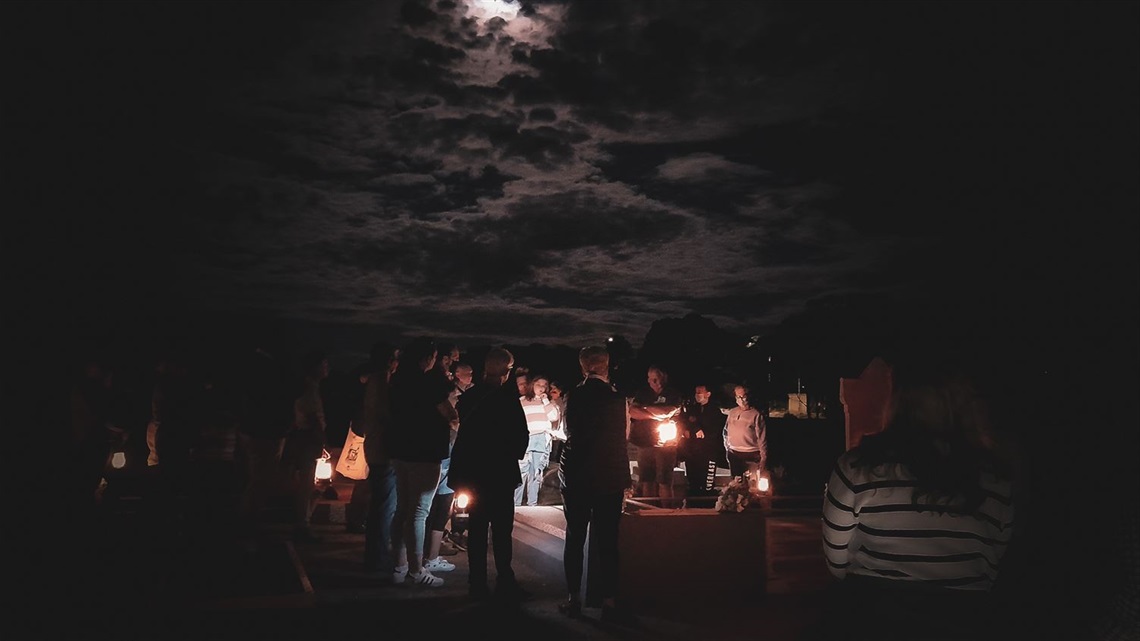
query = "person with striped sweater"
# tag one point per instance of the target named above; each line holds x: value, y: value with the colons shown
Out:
x: 542, y: 419
x: 917, y: 518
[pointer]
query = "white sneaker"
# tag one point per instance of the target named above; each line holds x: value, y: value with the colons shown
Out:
x: 426, y: 578
x: 439, y: 564
x: 399, y: 574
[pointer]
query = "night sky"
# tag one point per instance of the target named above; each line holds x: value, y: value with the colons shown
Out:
x: 555, y: 172
x: 521, y: 173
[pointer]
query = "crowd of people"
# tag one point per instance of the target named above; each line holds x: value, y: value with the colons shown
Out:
x: 919, y: 514
x: 257, y: 432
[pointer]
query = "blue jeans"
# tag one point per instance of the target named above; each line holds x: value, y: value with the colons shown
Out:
x: 381, y: 510
x: 532, y: 466
x: 415, y: 488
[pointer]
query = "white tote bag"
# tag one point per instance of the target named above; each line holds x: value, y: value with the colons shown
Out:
x: 352, y: 464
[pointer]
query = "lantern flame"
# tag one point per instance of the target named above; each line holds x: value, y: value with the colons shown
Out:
x: 666, y: 431
x: 118, y: 460
x: 763, y: 484
x: 462, y: 500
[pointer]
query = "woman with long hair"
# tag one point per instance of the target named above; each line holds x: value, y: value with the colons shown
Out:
x: 917, y: 518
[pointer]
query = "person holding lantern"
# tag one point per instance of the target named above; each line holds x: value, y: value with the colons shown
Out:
x: 651, y: 409
x: 305, y: 442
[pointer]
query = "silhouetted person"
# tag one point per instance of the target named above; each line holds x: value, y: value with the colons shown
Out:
x: 376, y: 418
x: 594, y: 474
x: 492, y: 438
x: 558, y: 398
x: 88, y: 445
x: 356, y: 511
x: 266, y: 413
x: 440, y: 510
x: 173, y: 407
x: 419, y: 439
x: 214, y: 480
x: 305, y: 443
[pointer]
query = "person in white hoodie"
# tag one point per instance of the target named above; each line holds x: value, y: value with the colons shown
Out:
x: 745, y: 436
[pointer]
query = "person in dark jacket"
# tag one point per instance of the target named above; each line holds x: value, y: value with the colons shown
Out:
x: 594, y: 474
x: 375, y: 417
x: 267, y: 413
x: 418, y: 439
x: 704, y: 450
x: 485, y: 462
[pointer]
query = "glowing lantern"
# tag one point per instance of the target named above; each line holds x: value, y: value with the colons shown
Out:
x: 119, y: 460
x: 324, y: 467
x: 762, y: 483
x: 461, y: 500
x: 666, y: 431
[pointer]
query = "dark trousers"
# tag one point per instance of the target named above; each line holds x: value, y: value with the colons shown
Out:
x: 740, y: 462
x: 601, y: 513
x: 701, y: 459
x: 494, y: 508
x: 356, y: 511
x: 381, y: 510
x: 871, y: 608
x: 700, y: 473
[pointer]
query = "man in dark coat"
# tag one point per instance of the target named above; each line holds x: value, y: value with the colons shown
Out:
x: 492, y: 438
x: 594, y: 474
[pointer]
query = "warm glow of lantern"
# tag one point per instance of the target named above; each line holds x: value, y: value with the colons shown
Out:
x: 324, y: 467
x: 118, y: 460
x: 461, y: 500
x: 666, y: 431
x: 762, y: 484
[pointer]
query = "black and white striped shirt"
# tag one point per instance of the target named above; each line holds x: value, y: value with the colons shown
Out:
x: 871, y: 527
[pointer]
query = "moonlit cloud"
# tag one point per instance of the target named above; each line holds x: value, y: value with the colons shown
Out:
x: 547, y: 171
x: 467, y: 165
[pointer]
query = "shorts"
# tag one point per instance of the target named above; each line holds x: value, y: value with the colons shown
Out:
x: 655, y: 464
x: 440, y: 511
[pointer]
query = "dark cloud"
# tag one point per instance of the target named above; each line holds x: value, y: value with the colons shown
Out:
x: 582, y: 164
x: 488, y: 254
x: 568, y: 221
x: 416, y: 14
x: 543, y: 146
x: 542, y: 114
x: 441, y: 191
